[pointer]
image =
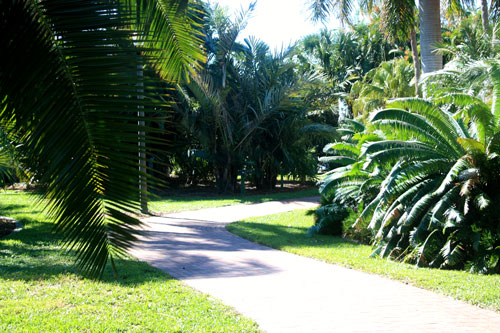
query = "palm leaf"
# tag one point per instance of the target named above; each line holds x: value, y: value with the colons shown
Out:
x: 170, y: 26
x: 390, y: 151
x: 342, y: 148
x: 441, y: 120
x: 338, y: 160
x: 69, y: 88
x: 471, y: 145
x: 412, y: 126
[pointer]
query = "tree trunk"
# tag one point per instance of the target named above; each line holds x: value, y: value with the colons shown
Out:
x: 416, y: 58
x: 143, y: 183
x: 430, y: 34
x: 226, y: 174
x: 484, y: 16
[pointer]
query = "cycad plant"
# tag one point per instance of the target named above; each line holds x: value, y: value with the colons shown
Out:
x: 348, y: 184
x: 70, y: 91
x: 438, y: 202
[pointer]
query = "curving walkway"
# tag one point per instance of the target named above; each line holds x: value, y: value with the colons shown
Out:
x: 283, y: 292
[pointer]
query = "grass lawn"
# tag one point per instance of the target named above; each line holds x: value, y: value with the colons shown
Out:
x: 287, y: 232
x: 179, y: 203
x: 40, y: 290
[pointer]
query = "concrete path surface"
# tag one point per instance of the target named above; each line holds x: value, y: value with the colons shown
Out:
x: 283, y: 292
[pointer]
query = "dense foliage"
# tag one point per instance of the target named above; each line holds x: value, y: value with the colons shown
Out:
x: 426, y: 170
x: 96, y: 97
x: 242, y: 110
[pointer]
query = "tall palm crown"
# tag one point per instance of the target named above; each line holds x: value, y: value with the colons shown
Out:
x: 399, y: 20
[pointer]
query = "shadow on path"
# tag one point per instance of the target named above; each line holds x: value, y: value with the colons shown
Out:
x: 195, y: 249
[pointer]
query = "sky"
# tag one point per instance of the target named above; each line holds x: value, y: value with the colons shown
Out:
x: 277, y: 22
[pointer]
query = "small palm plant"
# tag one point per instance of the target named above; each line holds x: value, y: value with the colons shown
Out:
x: 390, y: 80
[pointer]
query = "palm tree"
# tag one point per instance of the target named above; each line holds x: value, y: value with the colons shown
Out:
x: 430, y: 34
x: 493, y: 11
x: 389, y: 80
x: 69, y: 93
x: 400, y: 18
x: 485, y: 15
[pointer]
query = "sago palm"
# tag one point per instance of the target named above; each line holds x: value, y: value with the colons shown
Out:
x: 437, y: 204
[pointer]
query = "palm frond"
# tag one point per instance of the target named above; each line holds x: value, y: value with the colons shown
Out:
x: 442, y: 122
x: 172, y: 27
x: 70, y: 93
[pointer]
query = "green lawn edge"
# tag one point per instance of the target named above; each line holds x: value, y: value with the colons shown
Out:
x: 41, y: 290
x: 178, y: 203
x: 287, y: 232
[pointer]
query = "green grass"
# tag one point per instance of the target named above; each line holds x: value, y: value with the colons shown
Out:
x: 40, y: 289
x: 182, y: 203
x: 287, y: 232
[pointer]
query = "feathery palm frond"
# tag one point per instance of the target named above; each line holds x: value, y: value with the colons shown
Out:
x: 70, y: 93
x: 173, y: 27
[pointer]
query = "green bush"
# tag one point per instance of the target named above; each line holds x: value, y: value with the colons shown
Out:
x: 329, y: 220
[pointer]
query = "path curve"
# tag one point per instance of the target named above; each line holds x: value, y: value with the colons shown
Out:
x: 284, y: 292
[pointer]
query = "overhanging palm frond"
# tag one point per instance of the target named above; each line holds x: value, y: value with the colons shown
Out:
x: 70, y: 92
x: 322, y: 9
x: 173, y: 27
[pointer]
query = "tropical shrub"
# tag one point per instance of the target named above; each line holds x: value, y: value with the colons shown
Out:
x: 436, y: 170
x: 347, y: 183
x: 389, y: 80
x: 329, y: 219
x: 243, y: 111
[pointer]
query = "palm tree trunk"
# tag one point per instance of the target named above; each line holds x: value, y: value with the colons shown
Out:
x: 143, y: 183
x: 430, y: 34
x: 416, y: 58
x: 484, y: 16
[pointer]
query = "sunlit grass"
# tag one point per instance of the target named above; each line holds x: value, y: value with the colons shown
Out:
x: 182, y: 203
x: 40, y: 289
x: 287, y: 232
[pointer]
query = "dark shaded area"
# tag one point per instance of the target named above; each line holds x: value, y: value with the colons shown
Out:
x: 6, y: 227
x: 36, y: 253
x: 210, y: 191
x: 39, y: 256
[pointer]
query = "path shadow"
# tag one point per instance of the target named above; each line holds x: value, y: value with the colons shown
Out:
x: 191, y: 249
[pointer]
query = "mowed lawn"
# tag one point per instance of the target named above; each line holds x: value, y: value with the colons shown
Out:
x: 179, y: 203
x: 40, y: 289
x: 287, y: 232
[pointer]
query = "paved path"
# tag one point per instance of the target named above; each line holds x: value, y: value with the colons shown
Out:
x: 288, y: 293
